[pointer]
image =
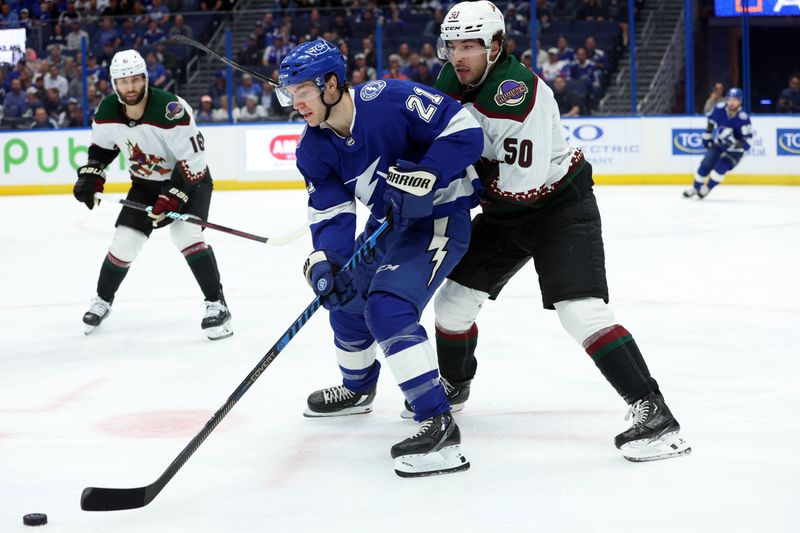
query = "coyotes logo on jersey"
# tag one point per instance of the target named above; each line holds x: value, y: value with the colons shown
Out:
x: 144, y: 165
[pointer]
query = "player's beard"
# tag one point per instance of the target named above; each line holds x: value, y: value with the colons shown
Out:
x: 135, y: 100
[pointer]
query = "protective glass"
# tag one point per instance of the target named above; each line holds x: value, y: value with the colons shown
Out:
x: 453, y: 50
x: 301, y: 92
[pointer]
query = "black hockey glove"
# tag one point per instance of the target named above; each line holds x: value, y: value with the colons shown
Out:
x: 172, y: 200
x: 91, y: 179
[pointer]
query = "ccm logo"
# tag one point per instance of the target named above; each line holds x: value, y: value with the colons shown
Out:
x: 283, y: 147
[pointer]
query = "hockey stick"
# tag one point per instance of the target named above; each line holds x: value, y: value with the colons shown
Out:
x: 200, y: 46
x: 105, y: 499
x: 191, y: 219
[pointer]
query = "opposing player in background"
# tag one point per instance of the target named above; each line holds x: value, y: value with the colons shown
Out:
x: 401, y: 149
x: 537, y: 203
x: 726, y: 138
x: 168, y: 169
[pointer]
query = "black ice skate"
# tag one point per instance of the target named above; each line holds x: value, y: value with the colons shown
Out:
x: 434, y: 449
x: 654, y: 433
x: 217, y: 321
x: 457, y: 394
x: 338, y: 401
x: 98, y: 311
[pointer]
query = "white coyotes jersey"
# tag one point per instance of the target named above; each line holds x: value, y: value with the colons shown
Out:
x: 165, y: 137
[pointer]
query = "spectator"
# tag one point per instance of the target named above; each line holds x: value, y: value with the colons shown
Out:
x: 153, y: 34
x: 57, y: 38
x: 717, y: 95
x: 357, y: 77
x: 15, y: 104
x: 365, y: 24
x: 424, y: 75
x: 554, y: 66
x: 69, y: 71
x: 368, y: 49
x: 591, y: 10
x: 32, y: 101
x: 274, y: 53
x: 180, y: 28
x: 103, y: 88
x: 269, y: 99
x: 341, y: 26
x: 789, y: 99
x: 393, y: 71
x: 218, y: 87
x: 565, y: 53
x: 32, y: 60
x: 75, y: 37
x: 94, y: 72
x: 428, y: 55
x: 403, y: 55
x: 617, y: 10
x: 511, y: 48
x: 246, y: 88
x: 156, y: 71
x: 583, y: 69
x: 47, y: 13
x: 130, y: 38
x: 252, y: 111
x: 56, y: 58
x: 9, y: 18
x: 113, y: 9
x: 25, y: 21
x: 516, y: 24
x: 434, y: 27
x: 541, y: 55
x: 251, y: 54
x: 527, y: 59
x: 52, y: 103
x: 595, y: 55
x: 105, y: 57
x: 107, y: 34
x: 71, y: 116
x: 412, y: 69
x: 204, y: 112
x: 220, y: 113
x: 567, y: 101
x: 69, y: 15
x: 361, y: 64
x: 157, y: 12
x: 56, y: 81
x: 41, y: 121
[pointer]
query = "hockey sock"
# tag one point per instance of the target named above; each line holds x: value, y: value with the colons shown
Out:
x: 201, y: 260
x: 615, y: 353
x: 456, y: 353
x: 714, y: 179
x: 112, y: 273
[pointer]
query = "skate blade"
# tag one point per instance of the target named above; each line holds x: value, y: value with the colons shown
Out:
x: 454, y: 408
x: 663, y: 447
x: 355, y: 410
x: 88, y: 329
x: 448, y: 460
x: 219, y: 332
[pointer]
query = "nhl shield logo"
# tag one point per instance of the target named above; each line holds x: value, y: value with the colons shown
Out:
x: 511, y: 92
x: 174, y: 111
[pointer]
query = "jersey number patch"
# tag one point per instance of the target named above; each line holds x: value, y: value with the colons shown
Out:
x: 198, y: 145
x: 518, y: 153
x: 415, y: 103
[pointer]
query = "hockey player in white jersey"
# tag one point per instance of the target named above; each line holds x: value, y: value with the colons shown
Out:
x: 537, y: 204
x: 168, y: 170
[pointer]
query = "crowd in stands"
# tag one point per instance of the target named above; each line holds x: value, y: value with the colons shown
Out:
x: 409, y: 32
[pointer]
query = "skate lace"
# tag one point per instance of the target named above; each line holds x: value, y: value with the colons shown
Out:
x: 337, y: 394
x: 99, y: 306
x: 215, y: 308
x: 423, y: 428
x: 448, y: 388
x: 638, y: 413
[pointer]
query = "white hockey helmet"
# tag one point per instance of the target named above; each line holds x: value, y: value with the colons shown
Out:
x: 471, y: 20
x: 127, y: 63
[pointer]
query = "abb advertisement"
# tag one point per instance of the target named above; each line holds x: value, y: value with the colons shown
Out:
x: 272, y: 148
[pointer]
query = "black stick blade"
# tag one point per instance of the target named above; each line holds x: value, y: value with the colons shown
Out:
x: 99, y: 499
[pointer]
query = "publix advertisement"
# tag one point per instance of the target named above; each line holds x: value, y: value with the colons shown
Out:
x: 633, y: 150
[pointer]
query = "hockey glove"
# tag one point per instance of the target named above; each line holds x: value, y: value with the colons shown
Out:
x: 173, y: 200
x: 708, y: 139
x: 91, y: 178
x: 334, y: 286
x: 409, y: 194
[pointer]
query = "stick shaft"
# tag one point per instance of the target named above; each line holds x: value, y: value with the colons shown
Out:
x: 200, y: 46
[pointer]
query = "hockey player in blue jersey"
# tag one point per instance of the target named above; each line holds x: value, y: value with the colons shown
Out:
x: 725, y: 147
x: 401, y: 149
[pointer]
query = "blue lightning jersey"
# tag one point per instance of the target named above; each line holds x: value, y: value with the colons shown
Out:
x: 733, y: 133
x: 393, y: 120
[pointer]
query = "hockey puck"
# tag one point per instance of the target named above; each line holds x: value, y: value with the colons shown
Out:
x: 34, y: 519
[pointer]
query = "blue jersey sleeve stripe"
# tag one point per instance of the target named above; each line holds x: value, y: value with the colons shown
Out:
x: 455, y: 189
x: 316, y: 215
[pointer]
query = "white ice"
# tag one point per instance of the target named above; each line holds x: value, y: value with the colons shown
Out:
x: 709, y: 290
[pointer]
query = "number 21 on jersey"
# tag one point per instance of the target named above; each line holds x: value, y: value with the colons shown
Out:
x: 415, y: 103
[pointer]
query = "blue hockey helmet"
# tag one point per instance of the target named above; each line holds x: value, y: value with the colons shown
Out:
x: 735, y: 92
x: 310, y: 61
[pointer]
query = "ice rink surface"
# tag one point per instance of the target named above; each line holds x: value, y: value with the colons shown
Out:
x: 709, y: 290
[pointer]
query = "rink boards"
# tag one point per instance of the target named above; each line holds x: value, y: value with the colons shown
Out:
x: 622, y: 150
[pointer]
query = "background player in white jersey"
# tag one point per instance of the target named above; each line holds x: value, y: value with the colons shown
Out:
x: 168, y: 169
x: 727, y: 138
x: 537, y: 204
x: 400, y: 148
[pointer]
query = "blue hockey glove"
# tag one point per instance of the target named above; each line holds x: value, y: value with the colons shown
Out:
x: 334, y: 286
x: 708, y: 139
x: 409, y: 194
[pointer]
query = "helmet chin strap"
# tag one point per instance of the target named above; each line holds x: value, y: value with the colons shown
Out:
x: 329, y: 107
x: 489, y: 65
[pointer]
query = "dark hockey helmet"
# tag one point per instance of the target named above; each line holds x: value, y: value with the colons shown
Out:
x: 310, y: 61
